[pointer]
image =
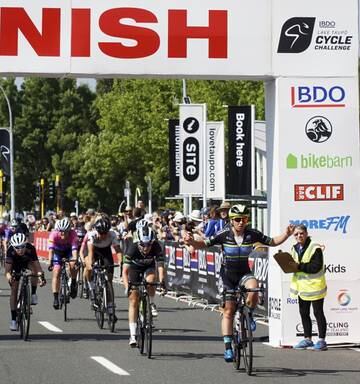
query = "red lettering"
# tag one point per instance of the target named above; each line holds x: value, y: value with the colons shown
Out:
x: 216, y: 33
x: 80, y: 32
x: 148, y: 41
x: 45, y: 43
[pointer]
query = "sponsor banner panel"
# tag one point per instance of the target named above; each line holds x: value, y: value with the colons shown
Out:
x: 215, y: 167
x: 341, y: 308
x: 174, y: 156
x: 321, y: 32
x: 240, y: 153
x: 179, y: 37
x: 192, y: 135
x: 5, y: 151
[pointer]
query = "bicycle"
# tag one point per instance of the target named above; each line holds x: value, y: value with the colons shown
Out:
x: 2, y: 256
x: 23, y: 307
x: 242, y: 341
x: 64, y: 294
x: 144, y: 326
x: 80, y: 278
x: 104, y: 296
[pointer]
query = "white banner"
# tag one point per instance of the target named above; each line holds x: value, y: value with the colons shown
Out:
x: 192, y: 137
x: 257, y: 38
x: 215, y: 160
x: 317, y: 118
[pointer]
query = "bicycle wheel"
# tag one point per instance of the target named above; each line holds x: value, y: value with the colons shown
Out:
x: 140, y: 329
x: 247, y: 342
x: 80, y: 280
x: 64, y: 295
x: 148, y: 328
x: 26, y: 312
x: 99, y: 304
x: 20, y: 313
x: 110, y: 307
x: 236, y: 346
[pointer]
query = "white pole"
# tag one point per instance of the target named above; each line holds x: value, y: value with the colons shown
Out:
x: 12, y: 182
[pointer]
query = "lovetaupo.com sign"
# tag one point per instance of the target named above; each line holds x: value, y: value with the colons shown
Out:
x: 174, y: 38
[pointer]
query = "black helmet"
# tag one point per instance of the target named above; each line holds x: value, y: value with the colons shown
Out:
x: 102, y: 225
x: 238, y: 210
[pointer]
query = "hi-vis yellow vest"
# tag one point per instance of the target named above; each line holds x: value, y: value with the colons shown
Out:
x: 309, y: 286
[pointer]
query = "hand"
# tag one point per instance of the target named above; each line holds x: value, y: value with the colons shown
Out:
x: 42, y: 279
x: 50, y: 267
x: 187, y: 237
x: 9, y: 278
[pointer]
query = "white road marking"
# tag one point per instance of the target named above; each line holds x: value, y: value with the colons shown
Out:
x: 50, y: 327
x: 110, y: 366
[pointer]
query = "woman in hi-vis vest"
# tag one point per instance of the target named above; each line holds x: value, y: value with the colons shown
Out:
x: 308, y: 285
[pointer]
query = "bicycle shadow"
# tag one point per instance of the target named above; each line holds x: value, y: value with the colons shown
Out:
x: 272, y: 372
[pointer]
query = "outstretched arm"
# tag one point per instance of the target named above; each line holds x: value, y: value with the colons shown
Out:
x: 277, y: 240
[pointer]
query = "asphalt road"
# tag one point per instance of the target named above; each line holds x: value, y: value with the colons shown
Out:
x: 186, y: 349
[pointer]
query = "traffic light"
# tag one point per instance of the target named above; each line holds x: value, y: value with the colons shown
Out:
x: 51, y: 190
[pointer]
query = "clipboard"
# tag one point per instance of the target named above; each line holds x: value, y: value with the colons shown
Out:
x: 285, y: 260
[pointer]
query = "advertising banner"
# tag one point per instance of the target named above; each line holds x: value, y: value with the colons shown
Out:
x: 317, y: 118
x: 174, y: 156
x: 215, y: 160
x: 5, y: 151
x: 192, y: 136
x: 240, y: 152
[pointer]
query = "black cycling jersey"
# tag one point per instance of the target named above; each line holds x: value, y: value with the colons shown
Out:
x: 19, y: 262
x: 235, y: 255
x: 135, y: 257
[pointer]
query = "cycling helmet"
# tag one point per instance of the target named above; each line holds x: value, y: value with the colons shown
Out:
x: 145, y: 234
x: 18, y: 240
x: 102, y: 225
x: 238, y: 210
x: 63, y: 225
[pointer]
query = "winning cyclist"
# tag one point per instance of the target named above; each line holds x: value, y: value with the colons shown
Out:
x: 99, y: 243
x: 237, y: 241
x: 140, y: 260
x: 63, y: 243
x: 21, y: 255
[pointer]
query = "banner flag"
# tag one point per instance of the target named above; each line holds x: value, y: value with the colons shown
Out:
x: 5, y: 151
x: 174, y: 156
x: 192, y: 129
x: 215, y: 155
x: 240, y: 162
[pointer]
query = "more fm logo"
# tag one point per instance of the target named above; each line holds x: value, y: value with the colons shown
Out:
x: 331, y: 223
x: 316, y: 96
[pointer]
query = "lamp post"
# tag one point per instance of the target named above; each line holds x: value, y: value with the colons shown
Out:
x: 12, y: 182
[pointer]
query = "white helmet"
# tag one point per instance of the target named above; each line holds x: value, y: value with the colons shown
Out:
x: 62, y: 225
x: 18, y: 240
x: 145, y: 234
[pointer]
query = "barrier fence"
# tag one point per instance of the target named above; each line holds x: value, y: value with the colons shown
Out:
x: 196, y: 273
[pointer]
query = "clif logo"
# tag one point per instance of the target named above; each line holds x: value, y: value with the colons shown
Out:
x: 318, y: 192
x: 296, y: 35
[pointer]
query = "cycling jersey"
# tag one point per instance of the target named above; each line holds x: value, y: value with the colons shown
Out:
x: 102, y: 241
x: 235, y: 256
x: 136, y: 258
x: 62, y: 247
x: 19, y: 262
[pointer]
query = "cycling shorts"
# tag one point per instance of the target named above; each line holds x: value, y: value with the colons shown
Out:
x: 104, y: 255
x: 136, y: 272
x: 59, y: 255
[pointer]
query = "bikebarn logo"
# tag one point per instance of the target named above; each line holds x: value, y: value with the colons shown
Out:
x: 296, y: 35
x: 317, y: 96
x: 318, y: 129
x: 315, y: 161
x: 319, y: 192
x: 332, y: 223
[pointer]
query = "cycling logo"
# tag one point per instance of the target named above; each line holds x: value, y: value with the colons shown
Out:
x: 318, y: 129
x: 296, y: 35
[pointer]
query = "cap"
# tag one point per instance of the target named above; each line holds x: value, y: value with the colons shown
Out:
x: 90, y: 211
x: 195, y: 215
x: 178, y: 217
x: 149, y: 218
x: 128, y: 208
x: 225, y: 205
x: 73, y: 214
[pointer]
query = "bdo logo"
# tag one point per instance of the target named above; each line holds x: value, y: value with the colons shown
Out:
x: 317, y: 96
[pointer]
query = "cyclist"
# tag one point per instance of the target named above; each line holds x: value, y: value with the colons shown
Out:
x: 140, y: 260
x: 99, y: 243
x: 237, y: 241
x: 21, y: 255
x: 63, y: 243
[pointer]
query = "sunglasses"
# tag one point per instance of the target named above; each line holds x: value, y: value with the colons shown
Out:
x: 145, y: 245
x: 20, y: 247
x: 299, y: 234
x: 243, y: 219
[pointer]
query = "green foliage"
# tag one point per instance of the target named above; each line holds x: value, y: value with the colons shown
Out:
x: 97, y: 141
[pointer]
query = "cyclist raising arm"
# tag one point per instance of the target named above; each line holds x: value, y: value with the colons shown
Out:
x: 63, y: 243
x: 21, y: 255
x: 141, y: 260
x: 237, y: 241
